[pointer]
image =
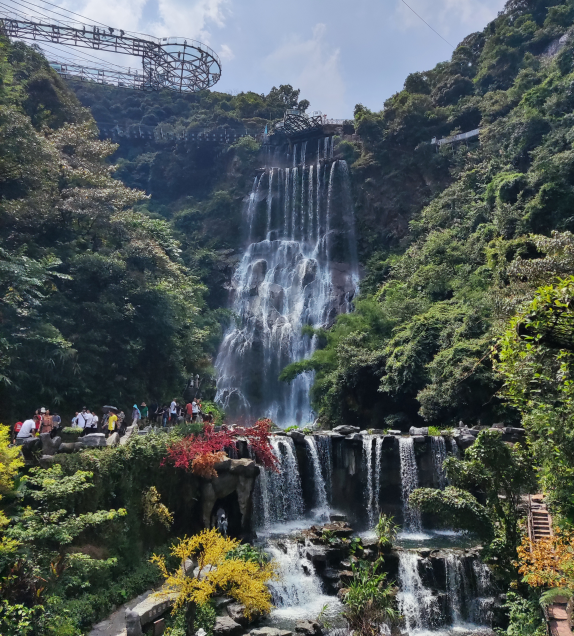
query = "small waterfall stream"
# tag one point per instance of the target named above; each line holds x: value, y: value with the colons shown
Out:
x: 417, y: 603
x: 409, y: 481
x: 368, y: 460
x: 438, y: 450
x: 325, y: 450
x: 321, y: 503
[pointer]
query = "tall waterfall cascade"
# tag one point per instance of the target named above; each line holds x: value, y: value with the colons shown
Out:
x: 417, y: 604
x: 409, y: 482
x: 299, y: 269
x: 369, y: 469
x: 438, y: 450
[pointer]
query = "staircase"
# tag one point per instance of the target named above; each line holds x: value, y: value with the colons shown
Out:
x: 540, y: 527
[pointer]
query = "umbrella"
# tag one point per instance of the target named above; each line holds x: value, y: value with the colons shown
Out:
x: 107, y: 409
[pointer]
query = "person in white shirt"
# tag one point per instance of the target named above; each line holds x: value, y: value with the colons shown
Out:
x: 173, y: 412
x: 85, y: 419
x: 195, y: 410
x: 95, y: 420
x: 28, y: 429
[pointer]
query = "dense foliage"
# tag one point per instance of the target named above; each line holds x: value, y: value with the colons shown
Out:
x: 441, y: 228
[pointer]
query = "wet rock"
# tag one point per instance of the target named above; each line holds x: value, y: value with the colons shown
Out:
x: 309, y: 628
x: 113, y: 439
x: 297, y: 437
x: 355, y: 437
x: 94, y: 440
x: 50, y: 446
x: 419, y: 439
x: 244, y: 468
x: 346, y: 430
x: 419, y: 431
x: 389, y: 440
x: 394, y: 432
x: 338, y: 517
x: 220, y: 604
x: 30, y: 446
x: 225, y: 626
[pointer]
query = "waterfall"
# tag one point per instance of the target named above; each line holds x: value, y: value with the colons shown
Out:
x: 378, y: 453
x: 417, y: 604
x: 290, y: 276
x: 438, y: 450
x: 368, y: 462
x: 482, y: 606
x: 325, y: 450
x: 278, y: 496
x: 297, y: 592
x: 409, y: 481
x: 318, y: 480
x: 457, y: 586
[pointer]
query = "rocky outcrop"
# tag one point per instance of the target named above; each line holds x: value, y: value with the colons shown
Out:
x: 309, y: 628
x: 225, y: 626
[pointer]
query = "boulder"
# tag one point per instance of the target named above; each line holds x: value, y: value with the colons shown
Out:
x: 344, y: 429
x: 113, y: 439
x: 50, y: 446
x: 309, y: 628
x: 355, y: 437
x: 244, y: 468
x: 67, y: 447
x: 30, y: 446
x: 464, y: 441
x: 46, y: 461
x: 236, y: 611
x: 418, y: 431
x: 220, y: 604
x: 270, y: 631
x: 419, y: 439
x: 392, y: 432
x: 389, y: 440
x: 338, y: 517
x: 94, y: 440
x: 225, y: 626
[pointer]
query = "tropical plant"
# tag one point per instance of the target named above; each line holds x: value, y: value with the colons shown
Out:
x: 243, y: 580
x: 386, y: 530
x: 370, y: 604
x: 154, y: 510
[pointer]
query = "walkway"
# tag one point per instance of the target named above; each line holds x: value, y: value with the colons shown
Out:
x: 115, y: 624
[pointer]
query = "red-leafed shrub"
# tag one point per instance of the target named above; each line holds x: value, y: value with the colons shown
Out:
x: 199, y: 453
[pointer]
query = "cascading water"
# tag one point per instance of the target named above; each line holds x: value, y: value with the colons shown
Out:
x: 278, y: 495
x: 454, y: 447
x: 297, y: 592
x: 368, y: 461
x: 438, y: 450
x: 457, y: 586
x: 325, y: 450
x: 417, y: 604
x: 378, y: 453
x: 321, y: 503
x: 409, y: 481
x: 300, y: 269
x: 482, y: 606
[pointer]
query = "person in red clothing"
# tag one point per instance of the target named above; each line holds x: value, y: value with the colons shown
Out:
x: 15, y: 431
x: 188, y: 412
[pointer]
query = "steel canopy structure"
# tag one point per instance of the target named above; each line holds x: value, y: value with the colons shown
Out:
x: 176, y: 64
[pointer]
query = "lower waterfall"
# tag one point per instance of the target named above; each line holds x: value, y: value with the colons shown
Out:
x: 325, y: 450
x: 321, y: 503
x: 369, y: 495
x: 278, y: 496
x: 417, y: 604
x: 409, y: 481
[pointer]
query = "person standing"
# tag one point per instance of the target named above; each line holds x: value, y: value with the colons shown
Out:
x: 136, y: 415
x: 47, y: 422
x: 75, y: 420
x: 121, y: 423
x: 173, y: 412
x: 85, y: 420
x: 164, y: 415
x: 15, y: 431
x: 112, y: 422
x: 188, y: 412
x: 38, y: 419
x: 195, y: 410
x: 57, y: 421
x: 95, y: 421
x: 144, y: 413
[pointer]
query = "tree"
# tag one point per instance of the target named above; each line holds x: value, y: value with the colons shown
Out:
x: 218, y: 571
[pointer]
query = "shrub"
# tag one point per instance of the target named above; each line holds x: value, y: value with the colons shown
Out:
x: 434, y: 431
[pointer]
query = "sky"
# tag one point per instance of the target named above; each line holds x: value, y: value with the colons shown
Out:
x: 338, y: 53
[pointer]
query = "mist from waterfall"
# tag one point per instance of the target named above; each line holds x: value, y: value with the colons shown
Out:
x: 299, y: 269
x: 409, y: 481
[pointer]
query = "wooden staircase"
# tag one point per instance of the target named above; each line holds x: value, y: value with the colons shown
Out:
x: 540, y: 527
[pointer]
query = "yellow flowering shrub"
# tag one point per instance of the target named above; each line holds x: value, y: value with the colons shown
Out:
x: 547, y: 562
x: 245, y: 581
x: 153, y: 509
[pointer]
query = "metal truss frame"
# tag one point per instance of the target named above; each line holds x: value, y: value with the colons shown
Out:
x: 168, y: 63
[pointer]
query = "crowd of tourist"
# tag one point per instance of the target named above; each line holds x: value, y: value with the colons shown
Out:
x: 113, y: 420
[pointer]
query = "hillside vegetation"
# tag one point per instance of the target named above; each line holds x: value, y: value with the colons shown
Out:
x: 447, y: 236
